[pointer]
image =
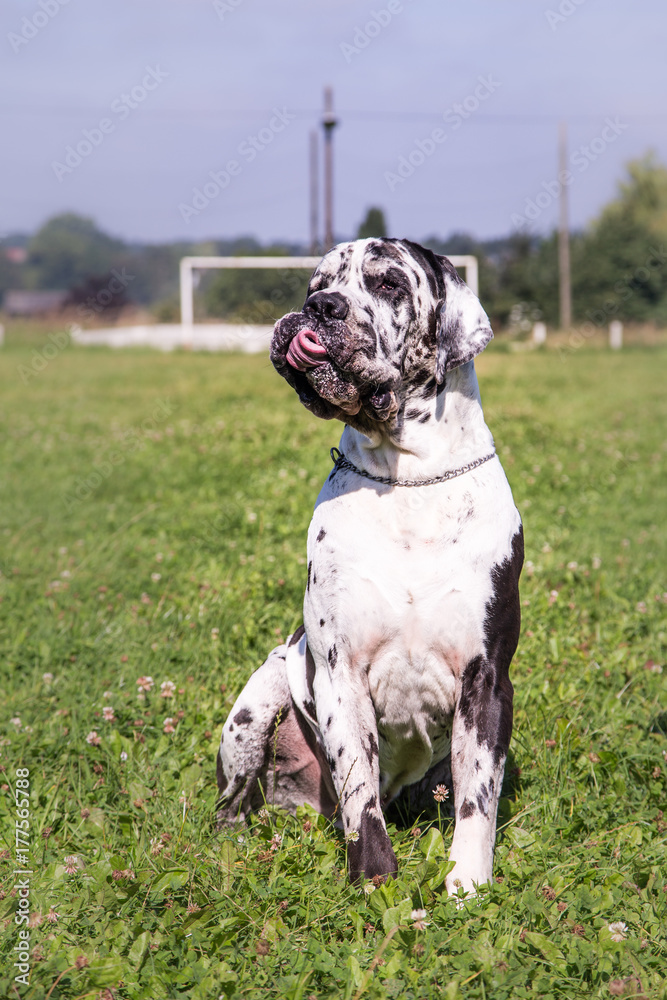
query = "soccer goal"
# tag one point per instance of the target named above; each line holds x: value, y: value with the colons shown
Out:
x: 189, y: 265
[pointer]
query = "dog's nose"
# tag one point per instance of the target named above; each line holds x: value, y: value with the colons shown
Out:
x: 327, y: 305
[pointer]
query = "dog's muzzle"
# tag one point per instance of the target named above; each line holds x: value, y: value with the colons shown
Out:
x: 331, y: 368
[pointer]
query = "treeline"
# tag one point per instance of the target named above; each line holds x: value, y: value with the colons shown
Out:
x: 619, y: 266
x: 618, y: 263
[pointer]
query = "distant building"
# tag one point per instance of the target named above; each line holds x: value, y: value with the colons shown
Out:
x: 17, y: 255
x: 21, y: 303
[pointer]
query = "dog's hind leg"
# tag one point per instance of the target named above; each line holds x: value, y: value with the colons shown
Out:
x: 268, y: 753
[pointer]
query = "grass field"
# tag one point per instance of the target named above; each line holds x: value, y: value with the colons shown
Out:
x: 153, y: 519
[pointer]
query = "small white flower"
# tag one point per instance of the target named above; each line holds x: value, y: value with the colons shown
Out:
x: 155, y: 577
x: 168, y: 726
x: 93, y: 739
x: 251, y: 516
x: 352, y: 837
x: 369, y: 888
x: 596, y: 563
x: 108, y: 713
x: 618, y: 930
x: 108, y: 694
x: 144, y: 683
x: 546, y: 547
x: 123, y: 756
x: 215, y: 633
x: 440, y: 793
x: 47, y: 678
x: 167, y: 689
x: 16, y: 722
x: 573, y: 565
x: 419, y: 920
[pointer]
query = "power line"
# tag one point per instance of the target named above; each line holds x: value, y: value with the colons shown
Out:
x: 315, y: 113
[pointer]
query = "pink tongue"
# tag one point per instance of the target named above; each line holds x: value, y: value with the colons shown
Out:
x: 305, y: 351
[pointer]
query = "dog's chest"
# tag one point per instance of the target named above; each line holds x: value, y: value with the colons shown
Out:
x: 397, y: 587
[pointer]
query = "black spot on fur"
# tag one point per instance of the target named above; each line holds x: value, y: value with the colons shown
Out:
x: 320, y: 535
x: 231, y: 727
x: 298, y: 635
x: 310, y: 672
x: 329, y: 721
x: 321, y: 622
x: 309, y: 709
x: 243, y: 718
x: 372, y: 750
x: 220, y: 775
x: 340, y: 751
x: 310, y: 566
x: 466, y: 810
x: 371, y: 854
x: 486, y: 697
x: 425, y: 418
x: 333, y: 656
x: 428, y: 389
x: 239, y: 737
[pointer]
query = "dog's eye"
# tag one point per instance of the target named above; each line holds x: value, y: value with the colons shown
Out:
x: 386, y: 285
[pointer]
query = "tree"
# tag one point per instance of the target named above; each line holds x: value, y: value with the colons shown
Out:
x: 620, y: 267
x: 255, y: 296
x: 373, y: 225
x: 68, y: 249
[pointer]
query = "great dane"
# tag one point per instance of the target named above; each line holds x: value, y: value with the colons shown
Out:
x: 399, y: 674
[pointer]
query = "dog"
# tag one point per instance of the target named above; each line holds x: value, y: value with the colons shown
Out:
x: 399, y: 674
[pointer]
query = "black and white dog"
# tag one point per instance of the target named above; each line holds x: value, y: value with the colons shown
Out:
x: 411, y: 615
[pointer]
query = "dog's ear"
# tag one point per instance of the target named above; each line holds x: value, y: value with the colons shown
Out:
x: 463, y: 326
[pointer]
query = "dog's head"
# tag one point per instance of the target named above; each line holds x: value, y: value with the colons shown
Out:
x: 383, y: 321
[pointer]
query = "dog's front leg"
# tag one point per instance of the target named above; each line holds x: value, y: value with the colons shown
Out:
x: 349, y: 732
x: 480, y: 740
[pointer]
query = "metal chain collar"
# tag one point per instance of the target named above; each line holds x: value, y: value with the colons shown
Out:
x: 340, y: 462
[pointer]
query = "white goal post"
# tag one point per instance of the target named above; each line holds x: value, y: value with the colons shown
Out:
x: 190, y: 264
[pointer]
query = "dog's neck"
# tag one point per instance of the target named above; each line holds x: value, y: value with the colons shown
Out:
x: 405, y: 448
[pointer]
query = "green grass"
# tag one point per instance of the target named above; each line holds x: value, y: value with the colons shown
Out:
x: 148, y: 501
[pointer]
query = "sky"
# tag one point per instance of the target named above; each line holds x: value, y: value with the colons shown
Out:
x: 167, y: 119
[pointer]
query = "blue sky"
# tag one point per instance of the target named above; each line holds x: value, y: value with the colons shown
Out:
x: 203, y: 77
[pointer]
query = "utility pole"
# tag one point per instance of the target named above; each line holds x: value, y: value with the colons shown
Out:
x: 329, y: 122
x: 564, y: 235
x: 314, y: 195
